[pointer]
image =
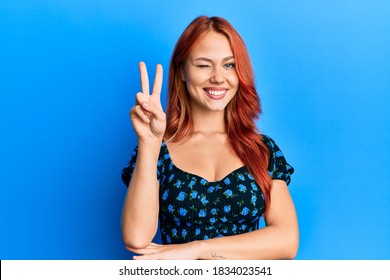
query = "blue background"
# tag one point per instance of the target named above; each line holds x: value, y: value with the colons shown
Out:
x: 68, y: 76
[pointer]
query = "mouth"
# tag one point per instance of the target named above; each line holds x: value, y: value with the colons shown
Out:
x: 215, y: 93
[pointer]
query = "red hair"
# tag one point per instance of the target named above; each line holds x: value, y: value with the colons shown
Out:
x: 241, y: 112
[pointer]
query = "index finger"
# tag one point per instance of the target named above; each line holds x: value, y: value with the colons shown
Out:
x: 158, y: 80
x: 144, y: 77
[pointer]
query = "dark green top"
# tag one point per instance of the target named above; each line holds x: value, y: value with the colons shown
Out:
x: 191, y: 208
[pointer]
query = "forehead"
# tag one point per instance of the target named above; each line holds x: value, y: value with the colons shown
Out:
x: 212, y: 45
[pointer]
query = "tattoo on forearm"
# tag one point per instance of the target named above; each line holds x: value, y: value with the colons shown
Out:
x: 215, y: 256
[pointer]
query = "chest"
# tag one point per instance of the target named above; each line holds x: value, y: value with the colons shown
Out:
x: 210, y: 159
x: 187, y: 198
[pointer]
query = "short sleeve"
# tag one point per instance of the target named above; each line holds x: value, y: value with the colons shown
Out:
x: 128, y: 170
x: 278, y: 168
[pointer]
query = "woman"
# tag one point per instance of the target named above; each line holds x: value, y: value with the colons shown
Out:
x: 204, y: 172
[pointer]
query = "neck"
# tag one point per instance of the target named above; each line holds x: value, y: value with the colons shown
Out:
x: 208, y: 122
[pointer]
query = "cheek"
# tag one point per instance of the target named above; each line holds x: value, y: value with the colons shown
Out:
x: 192, y: 88
x: 195, y: 79
x: 234, y: 80
x: 190, y: 85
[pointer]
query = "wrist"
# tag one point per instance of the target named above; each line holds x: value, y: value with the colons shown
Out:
x: 153, y: 143
x: 199, y: 248
x: 149, y: 150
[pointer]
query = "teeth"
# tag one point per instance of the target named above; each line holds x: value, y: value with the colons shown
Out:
x: 216, y: 92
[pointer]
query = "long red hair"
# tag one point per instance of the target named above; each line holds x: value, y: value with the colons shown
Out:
x: 241, y: 112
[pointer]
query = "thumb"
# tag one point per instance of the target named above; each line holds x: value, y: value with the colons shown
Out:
x: 154, y: 110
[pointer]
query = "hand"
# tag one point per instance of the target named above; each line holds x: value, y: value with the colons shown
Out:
x: 185, y: 251
x: 147, y: 116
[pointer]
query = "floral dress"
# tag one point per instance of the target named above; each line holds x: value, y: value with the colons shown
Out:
x: 192, y: 208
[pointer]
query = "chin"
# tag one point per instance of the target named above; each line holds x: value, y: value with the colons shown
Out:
x: 220, y: 107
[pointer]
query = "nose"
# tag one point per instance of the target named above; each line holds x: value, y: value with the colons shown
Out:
x: 217, y: 76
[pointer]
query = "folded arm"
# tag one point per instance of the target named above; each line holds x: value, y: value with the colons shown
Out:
x: 278, y: 240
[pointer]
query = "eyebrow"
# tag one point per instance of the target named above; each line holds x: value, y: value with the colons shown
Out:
x: 210, y: 60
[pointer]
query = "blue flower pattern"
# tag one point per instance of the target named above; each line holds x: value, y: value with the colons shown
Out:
x: 192, y: 208
x: 182, y: 212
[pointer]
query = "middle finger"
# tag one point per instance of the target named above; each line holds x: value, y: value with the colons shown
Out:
x: 158, y: 80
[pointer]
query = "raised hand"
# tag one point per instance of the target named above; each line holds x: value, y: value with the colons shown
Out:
x: 147, y: 116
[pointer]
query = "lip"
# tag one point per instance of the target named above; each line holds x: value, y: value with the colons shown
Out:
x: 215, y: 93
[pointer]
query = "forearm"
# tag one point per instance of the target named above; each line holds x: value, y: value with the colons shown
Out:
x: 271, y: 242
x: 140, y: 210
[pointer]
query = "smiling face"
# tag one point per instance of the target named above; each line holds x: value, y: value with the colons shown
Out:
x: 210, y: 74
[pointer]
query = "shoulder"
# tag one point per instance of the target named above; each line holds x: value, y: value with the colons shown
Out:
x: 268, y: 141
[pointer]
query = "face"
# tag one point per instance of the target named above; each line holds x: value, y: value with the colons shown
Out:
x: 210, y: 74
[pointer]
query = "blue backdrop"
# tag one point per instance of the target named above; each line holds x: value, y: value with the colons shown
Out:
x: 68, y: 76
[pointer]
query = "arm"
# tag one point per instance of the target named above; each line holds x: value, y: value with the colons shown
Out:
x: 139, y: 224
x: 278, y: 240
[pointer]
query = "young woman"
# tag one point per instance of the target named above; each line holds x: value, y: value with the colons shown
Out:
x: 203, y: 172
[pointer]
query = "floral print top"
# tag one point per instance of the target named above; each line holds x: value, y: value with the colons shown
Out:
x: 191, y: 208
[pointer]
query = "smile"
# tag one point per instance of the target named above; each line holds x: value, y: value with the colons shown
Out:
x: 215, y: 94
